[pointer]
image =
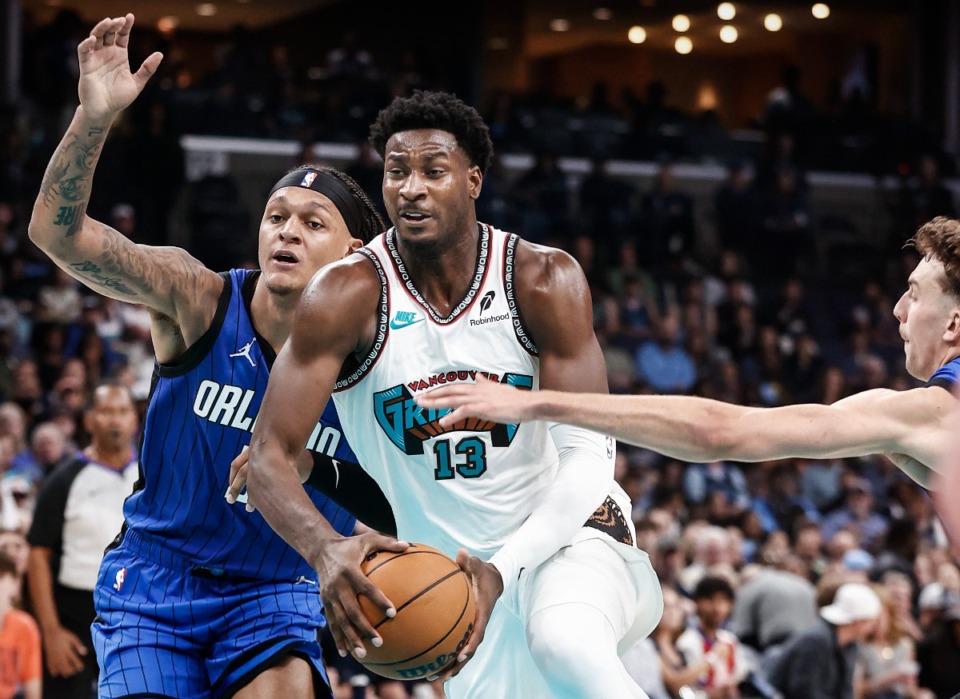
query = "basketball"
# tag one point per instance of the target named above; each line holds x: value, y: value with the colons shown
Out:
x: 435, y: 607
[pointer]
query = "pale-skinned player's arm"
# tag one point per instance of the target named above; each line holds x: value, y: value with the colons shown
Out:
x: 946, y: 482
x: 166, y: 280
x: 912, y: 422
x: 330, y: 320
x: 554, y: 299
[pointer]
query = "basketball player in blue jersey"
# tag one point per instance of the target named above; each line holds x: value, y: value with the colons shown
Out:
x: 196, y: 598
x: 912, y: 427
x: 532, y: 513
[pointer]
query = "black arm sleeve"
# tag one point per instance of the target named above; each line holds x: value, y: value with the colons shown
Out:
x: 353, y: 489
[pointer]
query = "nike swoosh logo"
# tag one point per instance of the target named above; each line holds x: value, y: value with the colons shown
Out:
x: 398, y: 324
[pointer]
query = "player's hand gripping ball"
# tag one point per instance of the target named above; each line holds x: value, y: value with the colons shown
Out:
x: 435, y: 607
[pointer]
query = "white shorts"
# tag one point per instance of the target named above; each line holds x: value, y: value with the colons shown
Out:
x: 616, y: 578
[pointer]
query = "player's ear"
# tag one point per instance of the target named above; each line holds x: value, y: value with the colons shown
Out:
x: 952, y: 331
x: 354, y: 245
x: 475, y: 182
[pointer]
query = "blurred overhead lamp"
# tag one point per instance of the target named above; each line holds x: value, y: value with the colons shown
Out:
x: 683, y: 44
x: 772, y: 22
x: 206, y: 9
x: 728, y: 34
x: 820, y: 10
x: 165, y: 25
x: 636, y: 35
x: 559, y: 25
x: 681, y: 23
x: 726, y: 11
x: 602, y: 14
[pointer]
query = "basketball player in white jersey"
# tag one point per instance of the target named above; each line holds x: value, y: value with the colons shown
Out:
x: 531, y: 511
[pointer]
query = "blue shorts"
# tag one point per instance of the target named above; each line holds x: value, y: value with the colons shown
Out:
x: 167, y: 628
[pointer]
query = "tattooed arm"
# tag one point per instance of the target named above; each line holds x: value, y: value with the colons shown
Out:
x: 180, y: 292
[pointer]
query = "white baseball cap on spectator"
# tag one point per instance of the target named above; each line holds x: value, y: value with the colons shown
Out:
x: 935, y: 596
x: 853, y: 602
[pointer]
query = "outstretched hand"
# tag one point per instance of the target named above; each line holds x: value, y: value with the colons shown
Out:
x: 487, y: 588
x: 342, y: 581
x: 107, y: 85
x: 485, y: 399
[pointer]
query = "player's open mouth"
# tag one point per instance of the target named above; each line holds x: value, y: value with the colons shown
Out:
x: 284, y: 257
x: 413, y: 216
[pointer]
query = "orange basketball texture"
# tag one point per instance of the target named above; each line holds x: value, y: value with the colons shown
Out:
x: 435, y: 607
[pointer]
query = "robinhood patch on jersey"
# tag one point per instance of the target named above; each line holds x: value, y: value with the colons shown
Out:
x: 408, y: 425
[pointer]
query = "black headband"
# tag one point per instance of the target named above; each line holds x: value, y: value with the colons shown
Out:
x: 331, y: 187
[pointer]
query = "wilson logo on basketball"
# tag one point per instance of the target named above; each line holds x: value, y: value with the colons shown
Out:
x: 441, y: 663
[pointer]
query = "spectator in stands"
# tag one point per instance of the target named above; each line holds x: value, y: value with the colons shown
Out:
x: 901, y: 591
x: 48, y: 448
x: 933, y: 602
x: 819, y: 663
x: 79, y: 511
x: 701, y: 481
x: 27, y: 389
x: 59, y: 300
x: 887, y: 667
x: 20, y: 671
x: 857, y: 513
x: 13, y: 422
x: 737, y: 208
x: 781, y: 504
x: 542, y: 195
x: 787, y: 236
x: 631, y: 315
x: 710, y: 554
x: 708, y: 645
x: 787, y: 108
x: 663, y: 363
x: 672, y: 665
x: 607, y: 204
x: 928, y: 196
x: 771, y: 607
x: 667, y: 227
x: 937, y: 654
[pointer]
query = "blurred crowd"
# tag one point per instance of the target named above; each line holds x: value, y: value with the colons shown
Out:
x: 746, y: 553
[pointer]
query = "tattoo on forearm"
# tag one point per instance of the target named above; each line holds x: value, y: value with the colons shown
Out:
x: 71, y: 216
x: 94, y: 273
x: 69, y: 176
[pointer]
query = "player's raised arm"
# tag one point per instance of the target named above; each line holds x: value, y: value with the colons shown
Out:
x: 167, y: 280
x: 699, y: 429
x: 301, y: 381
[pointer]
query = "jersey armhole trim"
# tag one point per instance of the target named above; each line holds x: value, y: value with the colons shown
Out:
x: 383, y: 313
x: 523, y: 337
x: 942, y: 382
x: 199, y: 349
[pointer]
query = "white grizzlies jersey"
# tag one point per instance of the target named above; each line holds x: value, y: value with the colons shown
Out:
x: 475, y: 484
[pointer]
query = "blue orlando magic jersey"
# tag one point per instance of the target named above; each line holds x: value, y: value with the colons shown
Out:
x: 947, y: 376
x: 199, y: 417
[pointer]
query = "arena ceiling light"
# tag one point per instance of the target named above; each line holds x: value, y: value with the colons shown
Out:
x: 603, y: 14
x: 681, y: 23
x: 773, y: 22
x: 206, y: 9
x: 728, y: 34
x: 683, y: 44
x: 636, y: 34
x: 726, y: 11
x: 820, y: 10
x: 559, y: 25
